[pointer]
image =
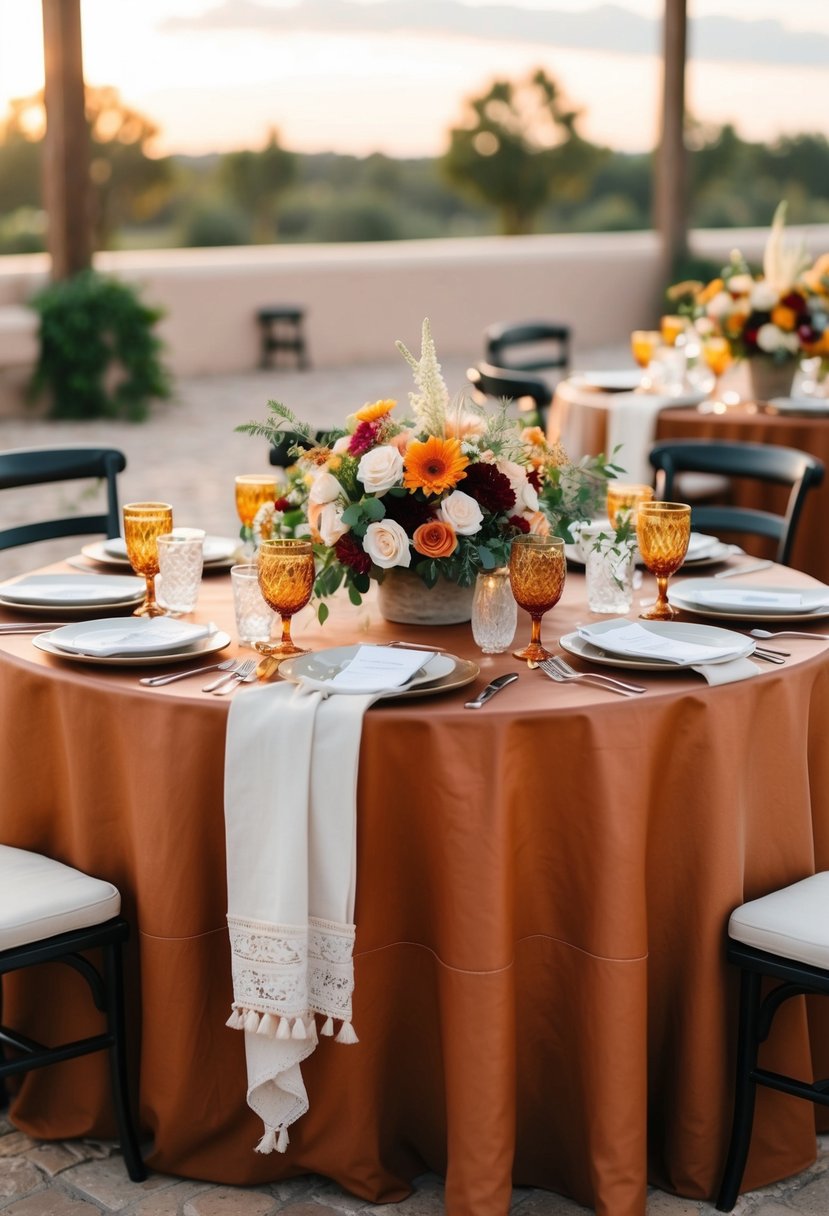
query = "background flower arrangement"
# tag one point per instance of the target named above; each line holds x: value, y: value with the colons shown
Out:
x: 782, y: 315
x: 441, y: 494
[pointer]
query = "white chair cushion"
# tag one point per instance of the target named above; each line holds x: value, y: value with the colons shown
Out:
x: 792, y: 922
x: 40, y: 898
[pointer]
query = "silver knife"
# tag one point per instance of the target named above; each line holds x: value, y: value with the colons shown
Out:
x: 764, y: 565
x: 495, y: 686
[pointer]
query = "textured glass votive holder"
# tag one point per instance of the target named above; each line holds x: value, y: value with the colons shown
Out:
x: 494, y: 611
x: 180, y: 562
x: 254, y: 617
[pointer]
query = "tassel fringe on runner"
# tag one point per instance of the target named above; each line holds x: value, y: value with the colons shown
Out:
x: 304, y: 1027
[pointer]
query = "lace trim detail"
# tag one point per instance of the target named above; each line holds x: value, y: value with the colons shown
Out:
x: 291, y: 971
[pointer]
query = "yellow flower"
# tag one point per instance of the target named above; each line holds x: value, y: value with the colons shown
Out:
x: 784, y: 318
x: 733, y: 324
x: 374, y: 410
x: 434, y: 466
x: 708, y: 293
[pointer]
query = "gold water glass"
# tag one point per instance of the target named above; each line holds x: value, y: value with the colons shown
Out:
x: 144, y: 522
x: 671, y: 328
x: 286, y: 578
x: 253, y: 490
x: 643, y: 344
x: 537, y: 570
x: 662, y: 531
x: 717, y: 356
x: 626, y: 498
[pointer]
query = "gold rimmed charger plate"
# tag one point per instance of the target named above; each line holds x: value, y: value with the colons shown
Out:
x: 443, y: 673
x: 204, y: 646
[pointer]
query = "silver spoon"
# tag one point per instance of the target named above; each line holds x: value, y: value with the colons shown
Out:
x: 789, y: 633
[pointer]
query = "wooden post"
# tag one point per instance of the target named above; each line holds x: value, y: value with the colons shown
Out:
x: 66, y: 185
x: 671, y: 184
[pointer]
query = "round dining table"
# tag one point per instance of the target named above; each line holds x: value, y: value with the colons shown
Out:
x: 580, y: 418
x: 541, y: 994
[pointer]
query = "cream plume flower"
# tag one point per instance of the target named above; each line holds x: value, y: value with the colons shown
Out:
x: 782, y: 263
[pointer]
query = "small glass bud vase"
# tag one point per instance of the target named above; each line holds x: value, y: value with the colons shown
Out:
x: 608, y: 572
x: 494, y: 611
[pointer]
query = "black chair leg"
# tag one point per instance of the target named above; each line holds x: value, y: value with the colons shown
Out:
x: 113, y: 980
x: 745, y: 1091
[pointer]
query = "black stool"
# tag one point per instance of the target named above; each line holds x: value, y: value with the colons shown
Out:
x: 282, y: 331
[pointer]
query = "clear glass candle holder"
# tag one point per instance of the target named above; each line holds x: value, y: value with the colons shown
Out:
x: 494, y: 611
x: 608, y: 572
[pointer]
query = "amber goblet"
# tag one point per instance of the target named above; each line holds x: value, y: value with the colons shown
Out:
x: 253, y: 490
x: 537, y: 571
x: 286, y: 578
x: 144, y: 522
x: 717, y: 356
x: 662, y: 531
x: 625, y: 498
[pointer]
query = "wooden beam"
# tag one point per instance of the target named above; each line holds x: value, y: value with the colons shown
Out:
x: 671, y: 186
x: 66, y: 188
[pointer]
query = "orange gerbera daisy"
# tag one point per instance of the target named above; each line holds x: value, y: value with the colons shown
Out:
x: 434, y: 465
x: 374, y: 410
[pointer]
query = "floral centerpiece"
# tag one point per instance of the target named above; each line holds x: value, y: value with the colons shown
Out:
x: 779, y: 316
x: 441, y: 494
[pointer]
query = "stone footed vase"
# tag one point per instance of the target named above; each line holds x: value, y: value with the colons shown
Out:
x: 768, y: 379
x: 404, y: 598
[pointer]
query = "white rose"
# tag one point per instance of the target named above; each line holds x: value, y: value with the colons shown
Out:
x: 720, y: 306
x: 387, y: 544
x: 330, y: 524
x: 740, y: 284
x: 324, y: 487
x: 341, y: 445
x: 704, y: 326
x: 770, y: 338
x: 763, y: 297
x: 380, y: 469
x: 526, y: 498
x: 462, y: 512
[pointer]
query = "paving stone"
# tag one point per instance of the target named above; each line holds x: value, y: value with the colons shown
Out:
x: 337, y: 1200
x: 291, y: 1190
x: 168, y: 1202
x: 811, y: 1199
x: 53, y: 1158
x: 770, y: 1208
x: 232, y: 1201
x: 310, y: 1209
x: 52, y: 1203
x: 14, y: 1144
x: 660, y: 1203
x: 108, y: 1183
x: 18, y: 1177
x: 545, y: 1203
x: 427, y: 1199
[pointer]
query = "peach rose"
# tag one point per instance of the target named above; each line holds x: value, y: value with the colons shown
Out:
x: 314, y: 512
x: 330, y: 523
x: 435, y: 539
x: 324, y: 488
x: 539, y: 523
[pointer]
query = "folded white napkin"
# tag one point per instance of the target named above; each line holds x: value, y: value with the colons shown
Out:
x: 631, y: 427
x: 151, y: 636
x: 378, y: 669
x: 290, y: 816
x: 699, y: 545
x: 748, y: 599
x: 635, y: 642
x: 728, y: 673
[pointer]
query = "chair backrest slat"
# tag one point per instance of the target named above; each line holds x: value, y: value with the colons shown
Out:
x: 42, y: 466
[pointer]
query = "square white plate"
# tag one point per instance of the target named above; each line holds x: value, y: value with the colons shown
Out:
x: 70, y: 635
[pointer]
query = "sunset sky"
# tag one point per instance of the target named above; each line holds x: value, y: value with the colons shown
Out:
x: 211, y: 89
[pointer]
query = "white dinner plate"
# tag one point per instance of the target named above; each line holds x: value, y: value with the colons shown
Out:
x: 441, y: 673
x: 816, y: 406
x: 203, y: 646
x: 815, y: 601
x: 136, y: 636
x: 219, y: 552
x: 624, y: 380
x: 78, y: 592
x: 707, y: 552
x: 702, y: 635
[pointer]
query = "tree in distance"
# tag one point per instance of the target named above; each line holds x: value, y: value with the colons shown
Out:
x: 518, y: 148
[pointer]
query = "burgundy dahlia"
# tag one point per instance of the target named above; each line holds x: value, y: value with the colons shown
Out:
x: 534, y: 478
x: 350, y: 553
x: 518, y: 521
x: 409, y: 511
x: 490, y: 488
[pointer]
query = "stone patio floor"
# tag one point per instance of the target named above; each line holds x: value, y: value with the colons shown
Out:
x: 188, y: 454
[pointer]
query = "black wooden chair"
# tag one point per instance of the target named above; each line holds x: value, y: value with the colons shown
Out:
x: 41, y: 466
x: 280, y: 454
x: 52, y: 913
x: 528, y: 392
x: 529, y: 346
x: 763, y: 462
x: 785, y: 936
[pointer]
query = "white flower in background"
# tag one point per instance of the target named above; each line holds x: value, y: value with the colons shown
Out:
x: 763, y: 297
x: 740, y: 284
x: 330, y: 524
x: 526, y: 498
x: 324, y: 487
x: 771, y: 338
x: 387, y: 544
x: 380, y: 469
x: 462, y: 512
x: 783, y: 263
x: 720, y: 305
x: 341, y: 445
x: 704, y: 326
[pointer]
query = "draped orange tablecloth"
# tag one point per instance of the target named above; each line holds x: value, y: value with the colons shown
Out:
x: 543, y: 888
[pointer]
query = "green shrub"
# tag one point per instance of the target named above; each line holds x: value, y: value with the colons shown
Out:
x: 99, y: 354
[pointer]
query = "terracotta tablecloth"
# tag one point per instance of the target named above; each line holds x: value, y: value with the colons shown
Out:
x: 580, y: 417
x: 543, y: 888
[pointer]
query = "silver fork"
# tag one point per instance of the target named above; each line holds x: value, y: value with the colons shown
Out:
x: 233, y: 665
x: 557, y: 669
x: 157, y: 681
x: 242, y: 675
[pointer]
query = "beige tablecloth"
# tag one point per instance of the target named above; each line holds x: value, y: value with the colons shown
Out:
x: 543, y: 888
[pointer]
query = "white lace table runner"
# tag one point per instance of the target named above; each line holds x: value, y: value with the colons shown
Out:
x: 290, y: 818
